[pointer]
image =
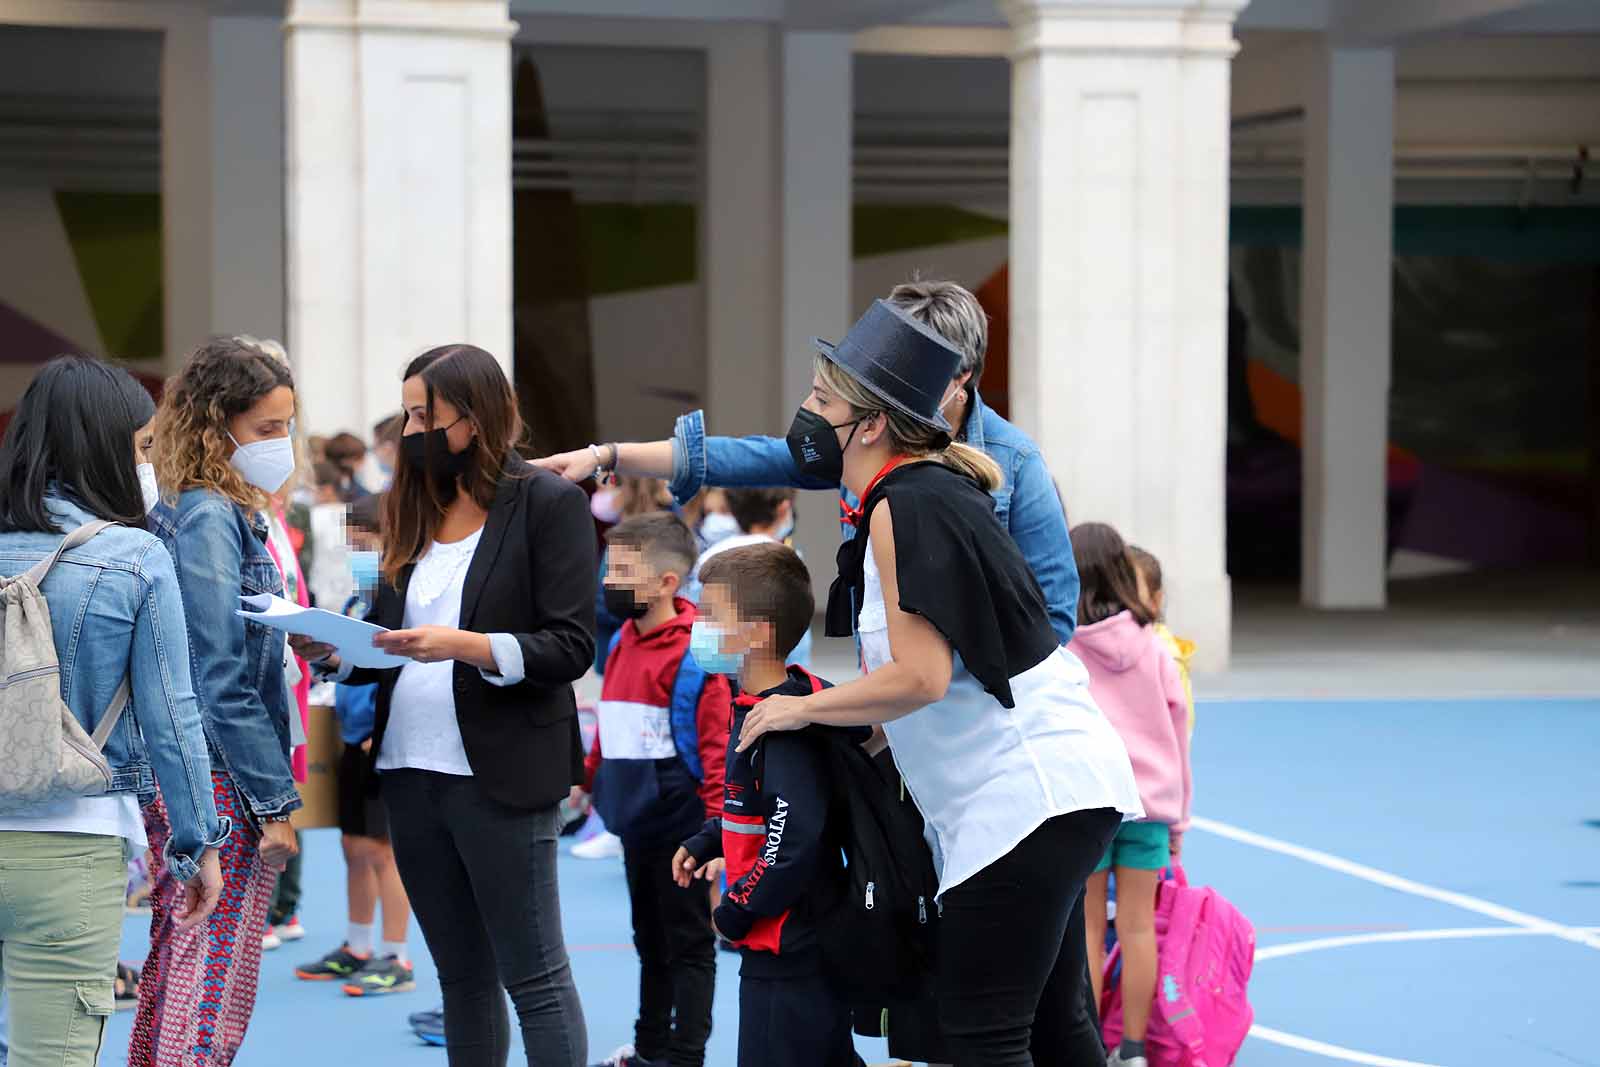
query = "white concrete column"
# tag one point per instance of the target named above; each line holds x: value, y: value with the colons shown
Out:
x: 1345, y: 294
x: 398, y: 193
x: 187, y: 167
x: 817, y: 124
x: 1119, y: 207
x: 739, y: 231
x: 247, y: 269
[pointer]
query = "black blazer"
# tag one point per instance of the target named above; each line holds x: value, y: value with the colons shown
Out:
x: 533, y: 577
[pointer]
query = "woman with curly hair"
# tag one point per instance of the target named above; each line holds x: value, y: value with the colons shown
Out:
x: 222, y: 448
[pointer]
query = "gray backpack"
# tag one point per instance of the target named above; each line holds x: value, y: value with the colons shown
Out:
x: 45, y: 754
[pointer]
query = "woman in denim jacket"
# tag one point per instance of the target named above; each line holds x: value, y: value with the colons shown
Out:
x: 222, y: 447
x: 75, y: 453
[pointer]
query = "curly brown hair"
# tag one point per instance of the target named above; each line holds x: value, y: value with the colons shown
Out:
x: 223, y: 378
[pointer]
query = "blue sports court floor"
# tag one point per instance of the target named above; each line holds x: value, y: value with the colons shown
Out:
x: 1424, y: 878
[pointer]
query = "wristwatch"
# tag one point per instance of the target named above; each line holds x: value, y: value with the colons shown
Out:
x: 275, y: 818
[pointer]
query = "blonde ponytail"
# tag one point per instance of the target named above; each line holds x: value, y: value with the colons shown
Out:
x: 974, y: 464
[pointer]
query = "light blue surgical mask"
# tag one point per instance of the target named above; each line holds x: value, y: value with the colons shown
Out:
x: 148, y: 487
x: 718, y: 526
x: 264, y: 464
x: 786, y: 531
x: 364, y: 569
x: 705, y: 645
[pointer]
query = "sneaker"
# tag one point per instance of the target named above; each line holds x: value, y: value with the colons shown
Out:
x: 429, y: 1027
x: 291, y: 930
x: 338, y: 964
x: 1116, y: 1060
x: 426, y: 1018
x: 602, y: 846
x: 270, y: 940
x: 381, y: 977
x: 626, y: 1057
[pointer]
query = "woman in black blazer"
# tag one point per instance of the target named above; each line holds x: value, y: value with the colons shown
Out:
x: 489, y: 592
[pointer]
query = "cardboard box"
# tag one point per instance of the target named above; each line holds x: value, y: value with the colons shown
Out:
x: 320, y: 790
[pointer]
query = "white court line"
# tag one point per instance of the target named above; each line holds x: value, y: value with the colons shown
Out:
x: 1295, y: 948
x: 1333, y: 1052
x: 1402, y: 885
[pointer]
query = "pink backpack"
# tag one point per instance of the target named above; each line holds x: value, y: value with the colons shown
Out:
x: 1206, y: 950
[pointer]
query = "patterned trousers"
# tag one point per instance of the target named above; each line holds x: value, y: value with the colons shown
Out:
x: 199, y: 986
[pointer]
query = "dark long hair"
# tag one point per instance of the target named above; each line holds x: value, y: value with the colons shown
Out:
x: 471, y: 381
x: 73, y: 431
x: 1107, y: 582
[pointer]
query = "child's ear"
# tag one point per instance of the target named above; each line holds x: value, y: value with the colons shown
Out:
x: 671, y: 582
x: 761, y: 636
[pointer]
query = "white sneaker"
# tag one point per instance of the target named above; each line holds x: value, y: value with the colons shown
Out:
x: 602, y: 846
x: 1116, y: 1060
x: 270, y: 940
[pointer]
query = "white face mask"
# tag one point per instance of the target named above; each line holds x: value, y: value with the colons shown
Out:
x: 147, y: 486
x: 264, y: 464
x: 718, y: 526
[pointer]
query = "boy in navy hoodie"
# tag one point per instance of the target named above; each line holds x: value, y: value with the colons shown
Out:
x: 782, y: 854
x: 656, y: 774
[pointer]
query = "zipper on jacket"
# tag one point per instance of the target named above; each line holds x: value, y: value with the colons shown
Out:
x: 870, y: 887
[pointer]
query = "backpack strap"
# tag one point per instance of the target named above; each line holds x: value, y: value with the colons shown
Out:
x: 685, y: 713
x: 108, y: 721
x: 616, y: 639
x: 77, y: 538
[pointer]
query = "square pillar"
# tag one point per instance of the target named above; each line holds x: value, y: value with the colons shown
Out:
x: 1345, y: 300
x: 1119, y: 209
x: 399, y: 193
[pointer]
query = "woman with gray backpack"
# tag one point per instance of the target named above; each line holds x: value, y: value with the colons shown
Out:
x: 96, y: 705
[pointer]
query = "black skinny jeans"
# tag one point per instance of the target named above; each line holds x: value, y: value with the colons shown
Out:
x: 677, y: 958
x: 482, y: 882
x: 1011, y: 963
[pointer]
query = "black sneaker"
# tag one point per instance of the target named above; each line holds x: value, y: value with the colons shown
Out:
x: 433, y: 1017
x: 339, y: 964
x: 381, y: 977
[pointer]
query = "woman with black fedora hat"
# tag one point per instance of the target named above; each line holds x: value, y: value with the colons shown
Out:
x: 1021, y: 780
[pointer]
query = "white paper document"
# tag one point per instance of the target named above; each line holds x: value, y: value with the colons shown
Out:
x: 352, y: 637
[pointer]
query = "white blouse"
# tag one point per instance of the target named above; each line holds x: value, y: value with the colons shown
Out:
x: 423, y: 731
x: 986, y: 776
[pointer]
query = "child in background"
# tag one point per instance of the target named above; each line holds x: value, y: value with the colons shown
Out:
x: 657, y: 774
x: 765, y: 516
x: 363, y: 966
x: 1148, y: 569
x: 1136, y: 684
x: 781, y: 859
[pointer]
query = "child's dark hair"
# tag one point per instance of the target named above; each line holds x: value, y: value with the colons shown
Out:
x: 1108, y: 584
x: 1145, y: 563
x: 666, y: 543
x: 757, y: 507
x: 366, y: 514
x: 767, y: 583
x: 328, y: 475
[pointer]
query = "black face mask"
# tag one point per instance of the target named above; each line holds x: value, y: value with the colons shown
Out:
x: 620, y: 602
x: 428, y: 453
x: 815, y: 447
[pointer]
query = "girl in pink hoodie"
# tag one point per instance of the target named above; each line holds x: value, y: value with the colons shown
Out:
x: 1134, y: 680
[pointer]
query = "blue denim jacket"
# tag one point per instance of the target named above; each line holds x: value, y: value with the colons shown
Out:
x: 221, y: 553
x: 116, y: 612
x: 1026, y: 502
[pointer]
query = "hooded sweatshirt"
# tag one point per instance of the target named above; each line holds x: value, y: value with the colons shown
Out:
x: 1134, y: 680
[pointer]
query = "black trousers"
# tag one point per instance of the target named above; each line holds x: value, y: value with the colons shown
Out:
x: 1011, y: 962
x: 482, y: 882
x: 793, y: 1022
x: 677, y: 958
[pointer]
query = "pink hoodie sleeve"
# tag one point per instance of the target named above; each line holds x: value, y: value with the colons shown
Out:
x: 1178, y: 708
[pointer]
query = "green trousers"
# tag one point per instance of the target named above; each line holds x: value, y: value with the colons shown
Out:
x: 61, y: 900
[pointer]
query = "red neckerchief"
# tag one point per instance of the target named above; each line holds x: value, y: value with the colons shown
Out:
x: 852, y: 515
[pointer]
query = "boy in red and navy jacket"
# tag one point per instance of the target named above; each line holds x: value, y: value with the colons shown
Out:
x: 657, y: 774
x: 782, y: 853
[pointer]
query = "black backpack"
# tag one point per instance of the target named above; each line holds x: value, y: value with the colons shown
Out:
x: 878, y: 934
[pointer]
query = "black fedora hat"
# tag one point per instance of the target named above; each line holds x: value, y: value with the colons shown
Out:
x: 898, y: 360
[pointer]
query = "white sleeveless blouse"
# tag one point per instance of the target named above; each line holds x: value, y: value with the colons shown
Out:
x: 986, y: 776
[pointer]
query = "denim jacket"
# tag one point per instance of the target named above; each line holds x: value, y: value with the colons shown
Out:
x: 221, y: 553
x: 1026, y: 502
x: 116, y: 612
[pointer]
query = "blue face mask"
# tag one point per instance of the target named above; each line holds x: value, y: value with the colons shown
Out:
x: 705, y: 645
x: 364, y: 570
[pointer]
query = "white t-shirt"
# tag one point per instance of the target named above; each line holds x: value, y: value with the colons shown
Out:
x: 113, y: 816
x: 986, y: 776
x: 423, y: 732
